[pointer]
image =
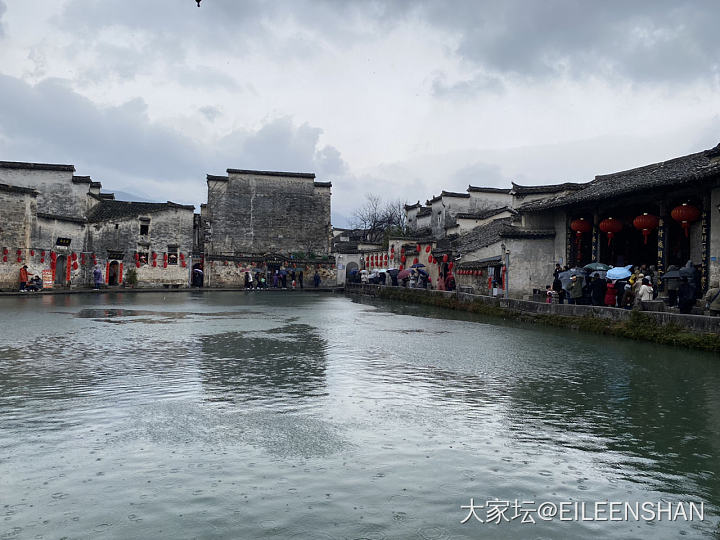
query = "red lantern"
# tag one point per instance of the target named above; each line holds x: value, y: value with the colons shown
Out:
x: 73, y: 256
x: 392, y: 249
x: 5, y: 251
x: 42, y: 253
x: 430, y: 259
x: 164, y: 264
x: 611, y: 227
x: 137, y: 264
x: 82, y: 259
x: 154, y: 255
x: 445, y: 258
x: 646, y: 223
x: 415, y: 260
x: 19, y: 259
x: 137, y: 256
x: 32, y: 252
x: 154, y: 263
x: 401, y: 267
x: 402, y: 259
x: 685, y: 214
x: 75, y: 265
x: 18, y: 252
x: 581, y: 226
x: 402, y: 251
x: 42, y: 259
x: 450, y: 266
x: 183, y: 263
x: 182, y: 258
x: 427, y: 249
x: 418, y: 247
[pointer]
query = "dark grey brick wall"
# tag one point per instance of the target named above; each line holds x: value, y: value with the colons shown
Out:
x: 268, y: 214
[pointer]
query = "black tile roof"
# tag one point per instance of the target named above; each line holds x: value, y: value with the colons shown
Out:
x: 95, y: 184
x: 59, y: 217
x: 667, y: 174
x: 36, y: 166
x: 323, y: 184
x: 411, y: 206
x: 216, y: 178
x: 17, y: 189
x: 425, y: 211
x: 489, y: 189
x: 485, y: 213
x: 550, y: 188
x: 108, y: 209
x: 481, y: 236
x: 346, y: 247
x: 271, y: 173
x: 81, y: 180
x: 454, y: 194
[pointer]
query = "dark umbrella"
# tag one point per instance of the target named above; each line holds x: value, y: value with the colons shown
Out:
x: 687, y: 272
x: 672, y: 274
x: 597, y: 266
x: 422, y: 272
x: 393, y: 271
x: 403, y: 274
x: 418, y: 265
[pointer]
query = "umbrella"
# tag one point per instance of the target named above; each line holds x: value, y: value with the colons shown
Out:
x: 687, y: 272
x: 422, y: 272
x: 353, y: 272
x: 403, y: 274
x: 672, y: 274
x: 198, y: 271
x: 599, y: 273
x: 418, y: 265
x: 619, y: 272
x: 597, y: 266
x: 393, y: 271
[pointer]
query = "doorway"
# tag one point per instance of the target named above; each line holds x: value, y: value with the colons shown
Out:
x: 61, y: 270
x: 113, y: 273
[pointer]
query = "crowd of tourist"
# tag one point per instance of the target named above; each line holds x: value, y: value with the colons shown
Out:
x: 682, y: 285
x: 279, y: 279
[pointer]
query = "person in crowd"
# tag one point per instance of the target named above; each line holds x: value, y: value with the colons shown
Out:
x: 293, y: 275
x: 450, y: 282
x: 247, y: 280
x: 645, y: 292
x: 24, y: 277
x: 686, y: 295
x: 382, y: 277
x: 576, y: 290
x: 283, y: 278
x: 35, y: 283
x: 610, y: 294
x: 557, y: 270
x: 300, y: 278
x: 627, y: 297
x: 316, y: 279
x: 558, y: 288
x: 548, y: 294
x: 394, y: 279
x: 671, y: 286
x: 597, y: 291
x: 97, y: 277
x: 712, y: 299
x: 275, y: 279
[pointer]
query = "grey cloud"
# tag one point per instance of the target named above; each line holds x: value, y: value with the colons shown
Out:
x: 121, y: 147
x: 658, y: 40
x: 210, y: 112
x: 467, y: 89
x: 478, y: 174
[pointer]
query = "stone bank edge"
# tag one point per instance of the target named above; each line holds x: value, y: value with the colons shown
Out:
x: 694, y: 331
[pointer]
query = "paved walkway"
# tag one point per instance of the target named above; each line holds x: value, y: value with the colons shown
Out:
x: 168, y: 290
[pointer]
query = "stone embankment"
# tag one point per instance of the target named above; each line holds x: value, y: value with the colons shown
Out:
x: 696, y: 331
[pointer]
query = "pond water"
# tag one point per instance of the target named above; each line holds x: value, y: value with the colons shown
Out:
x: 271, y: 415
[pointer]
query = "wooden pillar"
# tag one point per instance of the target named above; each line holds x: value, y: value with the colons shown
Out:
x: 705, y: 243
x: 661, y: 251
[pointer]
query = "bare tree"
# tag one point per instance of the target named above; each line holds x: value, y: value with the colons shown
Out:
x: 377, y: 219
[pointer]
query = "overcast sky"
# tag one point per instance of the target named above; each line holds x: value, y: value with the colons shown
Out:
x: 402, y: 98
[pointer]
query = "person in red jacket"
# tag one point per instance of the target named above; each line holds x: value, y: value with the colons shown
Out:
x: 610, y: 294
x: 24, y: 277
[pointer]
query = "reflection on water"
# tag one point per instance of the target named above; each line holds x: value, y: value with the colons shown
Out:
x: 218, y: 415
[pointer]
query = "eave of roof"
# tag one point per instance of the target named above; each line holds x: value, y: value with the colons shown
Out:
x: 489, y: 189
x: 216, y: 178
x: 549, y: 188
x: 271, y: 173
x: 323, y: 184
x: 59, y: 217
x: 81, y: 180
x: 455, y: 194
x: 486, y: 214
x: 17, y: 189
x: 36, y: 166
